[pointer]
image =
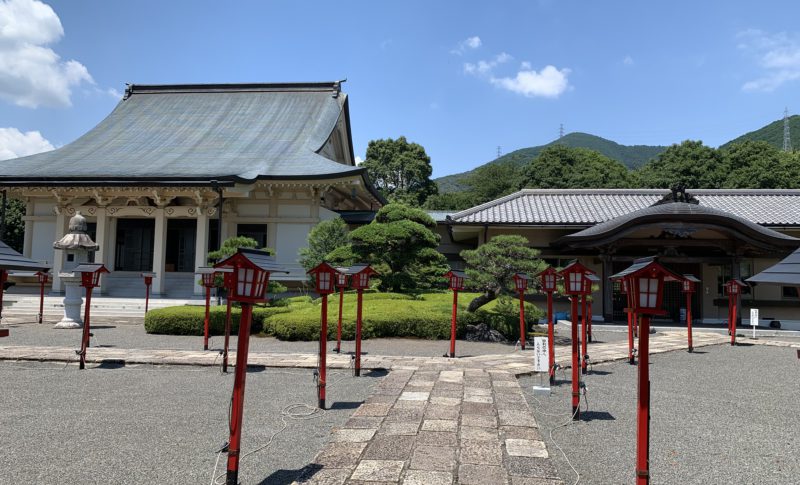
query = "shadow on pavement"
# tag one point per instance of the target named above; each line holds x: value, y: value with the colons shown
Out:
x: 345, y: 405
x: 597, y: 416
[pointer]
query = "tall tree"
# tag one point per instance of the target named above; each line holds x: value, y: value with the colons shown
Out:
x: 494, y: 180
x: 691, y: 163
x: 755, y: 165
x: 324, y: 238
x: 401, y: 244
x: 492, y: 266
x: 562, y: 167
x: 400, y: 170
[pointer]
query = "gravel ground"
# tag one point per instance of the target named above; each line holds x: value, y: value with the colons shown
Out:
x: 144, y: 424
x: 720, y: 415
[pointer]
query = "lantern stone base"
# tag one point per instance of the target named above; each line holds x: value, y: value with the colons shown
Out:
x: 73, y: 300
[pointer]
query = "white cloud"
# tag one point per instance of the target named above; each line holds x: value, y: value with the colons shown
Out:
x: 486, y: 67
x: 359, y: 160
x: 467, y: 44
x: 627, y: 60
x: 32, y: 74
x: 550, y: 82
x: 778, y: 55
x: 14, y: 143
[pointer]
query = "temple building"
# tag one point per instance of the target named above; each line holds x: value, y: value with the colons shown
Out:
x: 175, y: 169
x: 714, y: 235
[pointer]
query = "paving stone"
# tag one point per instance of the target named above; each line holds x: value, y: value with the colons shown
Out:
x: 512, y: 406
x: 445, y: 401
x: 524, y: 466
x: 437, y: 438
x: 481, y: 475
x: 482, y: 452
x: 505, y: 383
x: 399, y: 428
x: 373, y: 409
x: 424, y: 477
x: 433, y: 458
x: 436, y: 411
x: 414, y: 396
x: 352, y: 435
x: 389, y: 448
x: 405, y: 414
x: 340, y: 455
x: 477, y: 433
x: 535, y: 481
x: 364, y: 422
x: 410, y: 404
x: 479, y: 420
x: 378, y: 470
x: 531, y: 448
x: 381, y: 398
x: 520, y: 433
x: 479, y: 399
x: 440, y: 425
x: 314, y: 475
x: 485, y: 409
x: 515, y: 418
x: 477, y: 391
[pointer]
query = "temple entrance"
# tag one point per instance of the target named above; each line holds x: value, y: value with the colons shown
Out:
x: 181, y: 234
x: 134, y: 249
x: 674, y: 299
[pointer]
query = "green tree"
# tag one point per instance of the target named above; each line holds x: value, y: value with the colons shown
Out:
x: 755, y: 165
x: 562, y: 167
x: 400, y: 243
x: 324, y: 238
x: 494, y: 180
x: 400, y: 170
x: 452, y: 201
x: 691, y: 163
x: 15, y: 226
x: 491, y: 267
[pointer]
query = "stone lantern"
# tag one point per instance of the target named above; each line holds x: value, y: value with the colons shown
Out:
x: 76, y: 244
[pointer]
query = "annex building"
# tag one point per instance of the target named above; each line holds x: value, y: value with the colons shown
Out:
x: 715, y: 235
x: 175, y: 169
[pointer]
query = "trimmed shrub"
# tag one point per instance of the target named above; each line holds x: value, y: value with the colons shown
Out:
x: 188, y: 320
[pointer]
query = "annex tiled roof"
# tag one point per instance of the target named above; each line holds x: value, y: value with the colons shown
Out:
x: 584, y: 207
x: 226, y: 132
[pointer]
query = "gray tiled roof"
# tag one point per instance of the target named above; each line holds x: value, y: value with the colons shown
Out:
x: 786, y: 272
x: 584, y: 207
x: 228, y: 132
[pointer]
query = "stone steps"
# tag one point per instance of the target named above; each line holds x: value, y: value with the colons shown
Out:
x: 101, y: 306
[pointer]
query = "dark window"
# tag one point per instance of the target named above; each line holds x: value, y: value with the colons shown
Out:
x: 789, y: 291
x: 253, y: 231
x: 134, y: 251
x: 213, y: 234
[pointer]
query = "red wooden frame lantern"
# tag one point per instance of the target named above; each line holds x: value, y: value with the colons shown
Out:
x: 547, y: 282
x: 342, y: 282
x: 148, y: 281
x: 589, y: 279
x: 573, y: 275
x: 42, y: 277
x: 455, y: 280
x: 521, y: 284
x: 688, y: 286
x: 251, y: 269
x: 324, y: 278
x: 90, y: 279
x: 645, y: 279
x: 208, y: 275
x: 734, y: 290
x: 359, y: 281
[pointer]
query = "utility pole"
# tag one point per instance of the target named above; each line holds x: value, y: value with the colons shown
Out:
x: 787, y: 136
x: 561, y: 131
x: 499, y: 151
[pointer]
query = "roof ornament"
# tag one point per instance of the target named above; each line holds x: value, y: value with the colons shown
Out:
x: 128, y: 91
x: 678, y: 194
x: 337, y: 88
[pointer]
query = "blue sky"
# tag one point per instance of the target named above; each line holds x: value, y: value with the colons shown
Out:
x: 459, y: 77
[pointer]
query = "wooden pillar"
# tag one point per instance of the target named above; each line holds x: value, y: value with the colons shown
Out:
x: 58, y: 255
x: 606, y: 287
x: 101, y: 237
x: 27, y: 245
x: 201, y: 248
x: 159, y: 252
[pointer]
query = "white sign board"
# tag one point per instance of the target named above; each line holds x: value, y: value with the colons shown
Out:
x: 541, y: 354
x: 754, y: 317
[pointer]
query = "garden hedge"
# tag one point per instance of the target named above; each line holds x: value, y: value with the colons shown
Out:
x: 188, y: 320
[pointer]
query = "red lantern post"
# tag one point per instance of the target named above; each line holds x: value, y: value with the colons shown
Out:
x: 646, y: 286
x: 573, y: 275
x: 90, y: 279
x: 734, y: 289
x: 342, y: 281
x: 228, y: 281
x: 208, y: 275
x: 521, y: 284
x: 688, y: 287
x: 359, y: 281
x: 324, y: 276
x: 148, y: 281
x: 42, y: 276
x: 456, y: 281
x: 548, y: 284
x: 251, y: 271
x: 589, y: 279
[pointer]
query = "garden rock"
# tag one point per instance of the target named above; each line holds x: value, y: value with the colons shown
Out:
x: 482, y: 333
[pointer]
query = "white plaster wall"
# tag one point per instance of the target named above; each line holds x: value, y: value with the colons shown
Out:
x: 326, y: 215
x: 44, y: 234
x: 244, y: 209
x: 43, y: 208
x: 294, y: 210
x: 290, y: 238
